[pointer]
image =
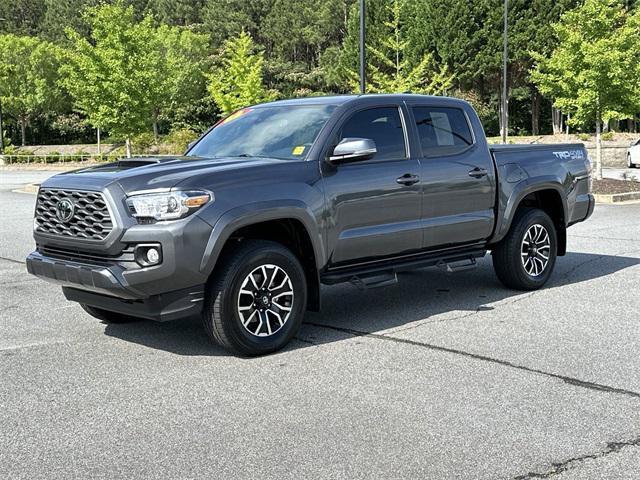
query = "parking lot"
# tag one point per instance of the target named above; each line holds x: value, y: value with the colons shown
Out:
x: 441, y: 376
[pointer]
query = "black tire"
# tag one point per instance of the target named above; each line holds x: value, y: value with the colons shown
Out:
x: 221, y: 316
x: 508, y: 260
x: 629, y: 164
x: 109, y: 317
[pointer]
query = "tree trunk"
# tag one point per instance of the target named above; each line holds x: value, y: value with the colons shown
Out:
x: 598, y: 148
x: 128, y: 145
x: 155, y: 126
x: 631, y: 125
x: 556, y: 120
x: 99, y: 145
x: 535, y: 113
x: 23, y: 131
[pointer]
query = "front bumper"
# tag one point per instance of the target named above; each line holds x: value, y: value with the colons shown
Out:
x: 106, y: 288
x: 118, y: 283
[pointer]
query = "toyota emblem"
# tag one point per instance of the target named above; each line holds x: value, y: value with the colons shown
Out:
x: 65, y: 210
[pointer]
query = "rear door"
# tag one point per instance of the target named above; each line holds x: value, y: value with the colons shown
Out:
x: 458, y: 178
x: 374, y: 205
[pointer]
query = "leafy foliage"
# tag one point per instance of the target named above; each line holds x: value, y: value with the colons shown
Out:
x: 394, y: 72
x: 109, y: 76
x: 237, y: 81
x: 28, y: 78
x: 594, y: 73
x: 140, y: 65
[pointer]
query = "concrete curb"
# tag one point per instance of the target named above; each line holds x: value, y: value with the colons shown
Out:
x: 29, y: 188
x: 617, y: 197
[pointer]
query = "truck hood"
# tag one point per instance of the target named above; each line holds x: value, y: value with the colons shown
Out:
x: 146, y: 173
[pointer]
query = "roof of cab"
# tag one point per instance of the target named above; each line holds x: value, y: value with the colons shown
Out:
x: 342, y: 99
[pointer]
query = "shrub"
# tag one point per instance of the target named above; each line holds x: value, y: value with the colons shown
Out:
x: 608, y: 136
x: 79, y: 156
x: 585, y: 137
x: 142, y: 142
x: 178, y: 140
x: 10, y: 149
x: 52, y: 157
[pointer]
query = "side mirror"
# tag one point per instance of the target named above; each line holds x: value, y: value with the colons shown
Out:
x: 353, y: 150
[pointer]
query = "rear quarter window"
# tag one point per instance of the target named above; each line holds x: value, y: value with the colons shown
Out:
x: 442, y: 130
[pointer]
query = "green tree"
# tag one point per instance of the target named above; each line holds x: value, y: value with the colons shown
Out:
x: 179, y: 81
x: 177, y: 12
x: 61, y: 14
x: 224, y: 19
x: 109, y: 74
x: 392, y: 69
x: 21, y: 17
x: 392, y: 64
x: 594, y: 73
x: 237, y: 81
x: 28, y: 78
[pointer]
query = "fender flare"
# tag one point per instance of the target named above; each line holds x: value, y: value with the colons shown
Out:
x: 518, y: 193
x: 257, y: 212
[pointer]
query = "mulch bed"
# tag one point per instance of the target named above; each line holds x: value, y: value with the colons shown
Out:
x: 608, y: 186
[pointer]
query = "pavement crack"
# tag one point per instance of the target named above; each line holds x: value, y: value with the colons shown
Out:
x: 569, y: 380
x: 11, y: 260
x: 558, y: 468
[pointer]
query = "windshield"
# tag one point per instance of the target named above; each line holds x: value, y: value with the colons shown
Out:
x: 284, y: 132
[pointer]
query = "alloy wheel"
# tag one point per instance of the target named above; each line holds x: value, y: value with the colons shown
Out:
x: 265, y: 300
x: 535, y: 250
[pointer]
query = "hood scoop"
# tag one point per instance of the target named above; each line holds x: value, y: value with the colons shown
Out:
x: 142, y: 161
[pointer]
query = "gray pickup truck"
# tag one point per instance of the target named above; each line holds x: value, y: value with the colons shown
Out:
x: 279, y: 198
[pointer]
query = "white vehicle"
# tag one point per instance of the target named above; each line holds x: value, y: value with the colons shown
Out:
x: 633, y: 155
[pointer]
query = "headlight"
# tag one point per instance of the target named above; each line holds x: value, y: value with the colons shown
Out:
x: 168, y: 205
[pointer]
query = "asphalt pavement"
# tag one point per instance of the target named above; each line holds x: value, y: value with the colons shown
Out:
x: 441, y: 376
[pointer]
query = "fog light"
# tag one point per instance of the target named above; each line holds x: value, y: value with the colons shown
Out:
x: 148, y: 255
x: 153, y: 255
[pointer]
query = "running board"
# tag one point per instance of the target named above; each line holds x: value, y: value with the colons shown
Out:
x: 447, y: 267
x: 384, y: 272
x: 384, y: 279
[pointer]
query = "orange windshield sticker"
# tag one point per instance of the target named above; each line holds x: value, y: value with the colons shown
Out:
x: 236, y: 115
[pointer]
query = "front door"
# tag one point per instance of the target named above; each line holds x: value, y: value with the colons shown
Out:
x: 375, y: 205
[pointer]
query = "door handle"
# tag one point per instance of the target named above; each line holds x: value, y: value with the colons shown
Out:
x: 478, y: 172
x: 408, y: 179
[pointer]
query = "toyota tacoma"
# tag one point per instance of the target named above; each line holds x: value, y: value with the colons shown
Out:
x: 279, y: 198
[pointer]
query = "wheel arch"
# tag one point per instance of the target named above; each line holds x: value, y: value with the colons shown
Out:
x: 290, y: 224
x: 548, y: 196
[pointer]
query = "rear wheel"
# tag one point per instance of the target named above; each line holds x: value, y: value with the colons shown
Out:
x: 107, y: 316
x: 525, y: 258
x: 256, y: 298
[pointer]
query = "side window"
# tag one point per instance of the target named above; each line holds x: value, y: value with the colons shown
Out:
x: 383, y: 126
x: 442, y: 130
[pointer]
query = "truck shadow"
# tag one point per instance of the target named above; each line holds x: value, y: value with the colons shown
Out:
x: 420, y: 296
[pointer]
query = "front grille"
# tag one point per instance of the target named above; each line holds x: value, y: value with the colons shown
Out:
x: 90, y: 219
x: 80, y: 256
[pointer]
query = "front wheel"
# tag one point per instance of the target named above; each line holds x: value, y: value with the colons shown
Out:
x: 630, y: 164
x: 256, y: 298
x: 525, y: 258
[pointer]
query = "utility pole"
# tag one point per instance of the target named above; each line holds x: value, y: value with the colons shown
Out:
x: 505, y: 56
x: 1, y: 124
x: 363, y: 74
